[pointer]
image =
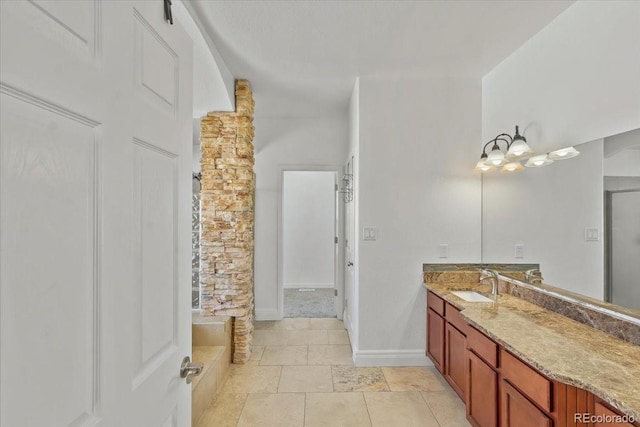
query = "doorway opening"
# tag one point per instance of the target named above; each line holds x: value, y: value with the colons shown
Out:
x: 622, y: 247
x: 309, y: 238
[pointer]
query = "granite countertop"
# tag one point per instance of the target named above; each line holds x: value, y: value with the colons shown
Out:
x: 559, y: 347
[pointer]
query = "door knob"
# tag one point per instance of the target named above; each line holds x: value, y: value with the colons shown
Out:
x: 349, y: 264
x: 189, y: 370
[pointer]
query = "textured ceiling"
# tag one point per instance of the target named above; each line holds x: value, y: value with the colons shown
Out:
x: 302, y: 57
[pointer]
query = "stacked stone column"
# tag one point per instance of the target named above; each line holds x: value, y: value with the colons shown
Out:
x: 227, y: 217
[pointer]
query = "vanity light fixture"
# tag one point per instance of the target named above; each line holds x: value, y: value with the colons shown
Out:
x: 482, y: 166
x: 563, y: 153
x: 516, y: 150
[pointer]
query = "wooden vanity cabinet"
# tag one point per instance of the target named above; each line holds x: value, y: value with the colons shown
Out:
x: 500, y: 389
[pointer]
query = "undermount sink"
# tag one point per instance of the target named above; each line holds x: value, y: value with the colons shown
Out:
x: 471, y: 296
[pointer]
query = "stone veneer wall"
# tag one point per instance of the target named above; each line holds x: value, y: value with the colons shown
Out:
x: 195, y: 242
x: 227, y: 217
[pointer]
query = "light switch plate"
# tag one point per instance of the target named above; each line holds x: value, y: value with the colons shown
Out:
x: 518, y: 250
x: 370, y: 233
x: 591, y: 234
x: 444, y: 250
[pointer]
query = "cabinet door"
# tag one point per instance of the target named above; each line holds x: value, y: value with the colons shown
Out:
x: 517, y: 411
x: 607, y: 417
x: 435, y: 339
x: 455, y: 360
x: 482, y: 393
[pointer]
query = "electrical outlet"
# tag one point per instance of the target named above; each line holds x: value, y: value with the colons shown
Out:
x: 519, y: 250
x: 444, y: 250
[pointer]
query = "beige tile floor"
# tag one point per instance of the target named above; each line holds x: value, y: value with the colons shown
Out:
x: 301, y: 374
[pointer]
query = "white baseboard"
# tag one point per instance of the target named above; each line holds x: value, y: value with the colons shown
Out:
x: 268, y: 314
x: 391, y: 358
x: 308, y: 285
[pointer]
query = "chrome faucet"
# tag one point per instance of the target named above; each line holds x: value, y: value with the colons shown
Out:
x: 533, y: 276
x: 493, y: 274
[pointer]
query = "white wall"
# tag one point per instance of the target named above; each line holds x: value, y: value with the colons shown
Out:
x: 622, y: 154
x: 575, y: 81
x: 309, y: 229
x: 418, y: 143
x: 624, y: 163
x: 197, y: 151
x: 281, y: 142
x: 547, y: 210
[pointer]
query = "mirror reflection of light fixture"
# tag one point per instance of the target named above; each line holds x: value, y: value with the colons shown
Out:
x: 538, y: 161
x: 512, y: 167
x: 519, y: 149
x: 563, y: 153
x: 516, y: 150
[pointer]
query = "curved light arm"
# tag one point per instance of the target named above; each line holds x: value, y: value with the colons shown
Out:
x: 498, y: 138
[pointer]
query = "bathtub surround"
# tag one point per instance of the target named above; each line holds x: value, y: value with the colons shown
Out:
x: 211, y: 347
x: 227, y: 217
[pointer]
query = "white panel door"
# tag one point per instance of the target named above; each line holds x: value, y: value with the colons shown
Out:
x: 625, y: 248
x: 95, y: 139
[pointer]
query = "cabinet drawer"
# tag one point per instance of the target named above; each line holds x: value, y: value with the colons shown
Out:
x: 452, y: 315
x: 528, y: 380
x: 435, y: 303
x: 482, y: 346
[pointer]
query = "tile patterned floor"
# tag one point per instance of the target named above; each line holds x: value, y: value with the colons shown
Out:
x: 301, y: 375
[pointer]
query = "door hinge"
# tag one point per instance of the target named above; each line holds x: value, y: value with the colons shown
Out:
x: 336, y: 187
x: 336, y: 239
x: 335, y: 292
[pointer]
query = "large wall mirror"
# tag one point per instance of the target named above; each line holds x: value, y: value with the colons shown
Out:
x: 578, y: 218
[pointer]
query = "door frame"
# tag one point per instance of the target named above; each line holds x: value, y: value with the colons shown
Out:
x: 608, y: 243
x: 338, y: 247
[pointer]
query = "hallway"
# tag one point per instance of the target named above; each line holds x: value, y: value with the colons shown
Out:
x: 301, y: 374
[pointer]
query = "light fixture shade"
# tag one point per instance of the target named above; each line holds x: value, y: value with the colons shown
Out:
x: 519, y: 149
x: 564, y: 153
x: 512, y: 167
x: 482, y: 166
x: 538, y: 161
x: 496, y: 156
